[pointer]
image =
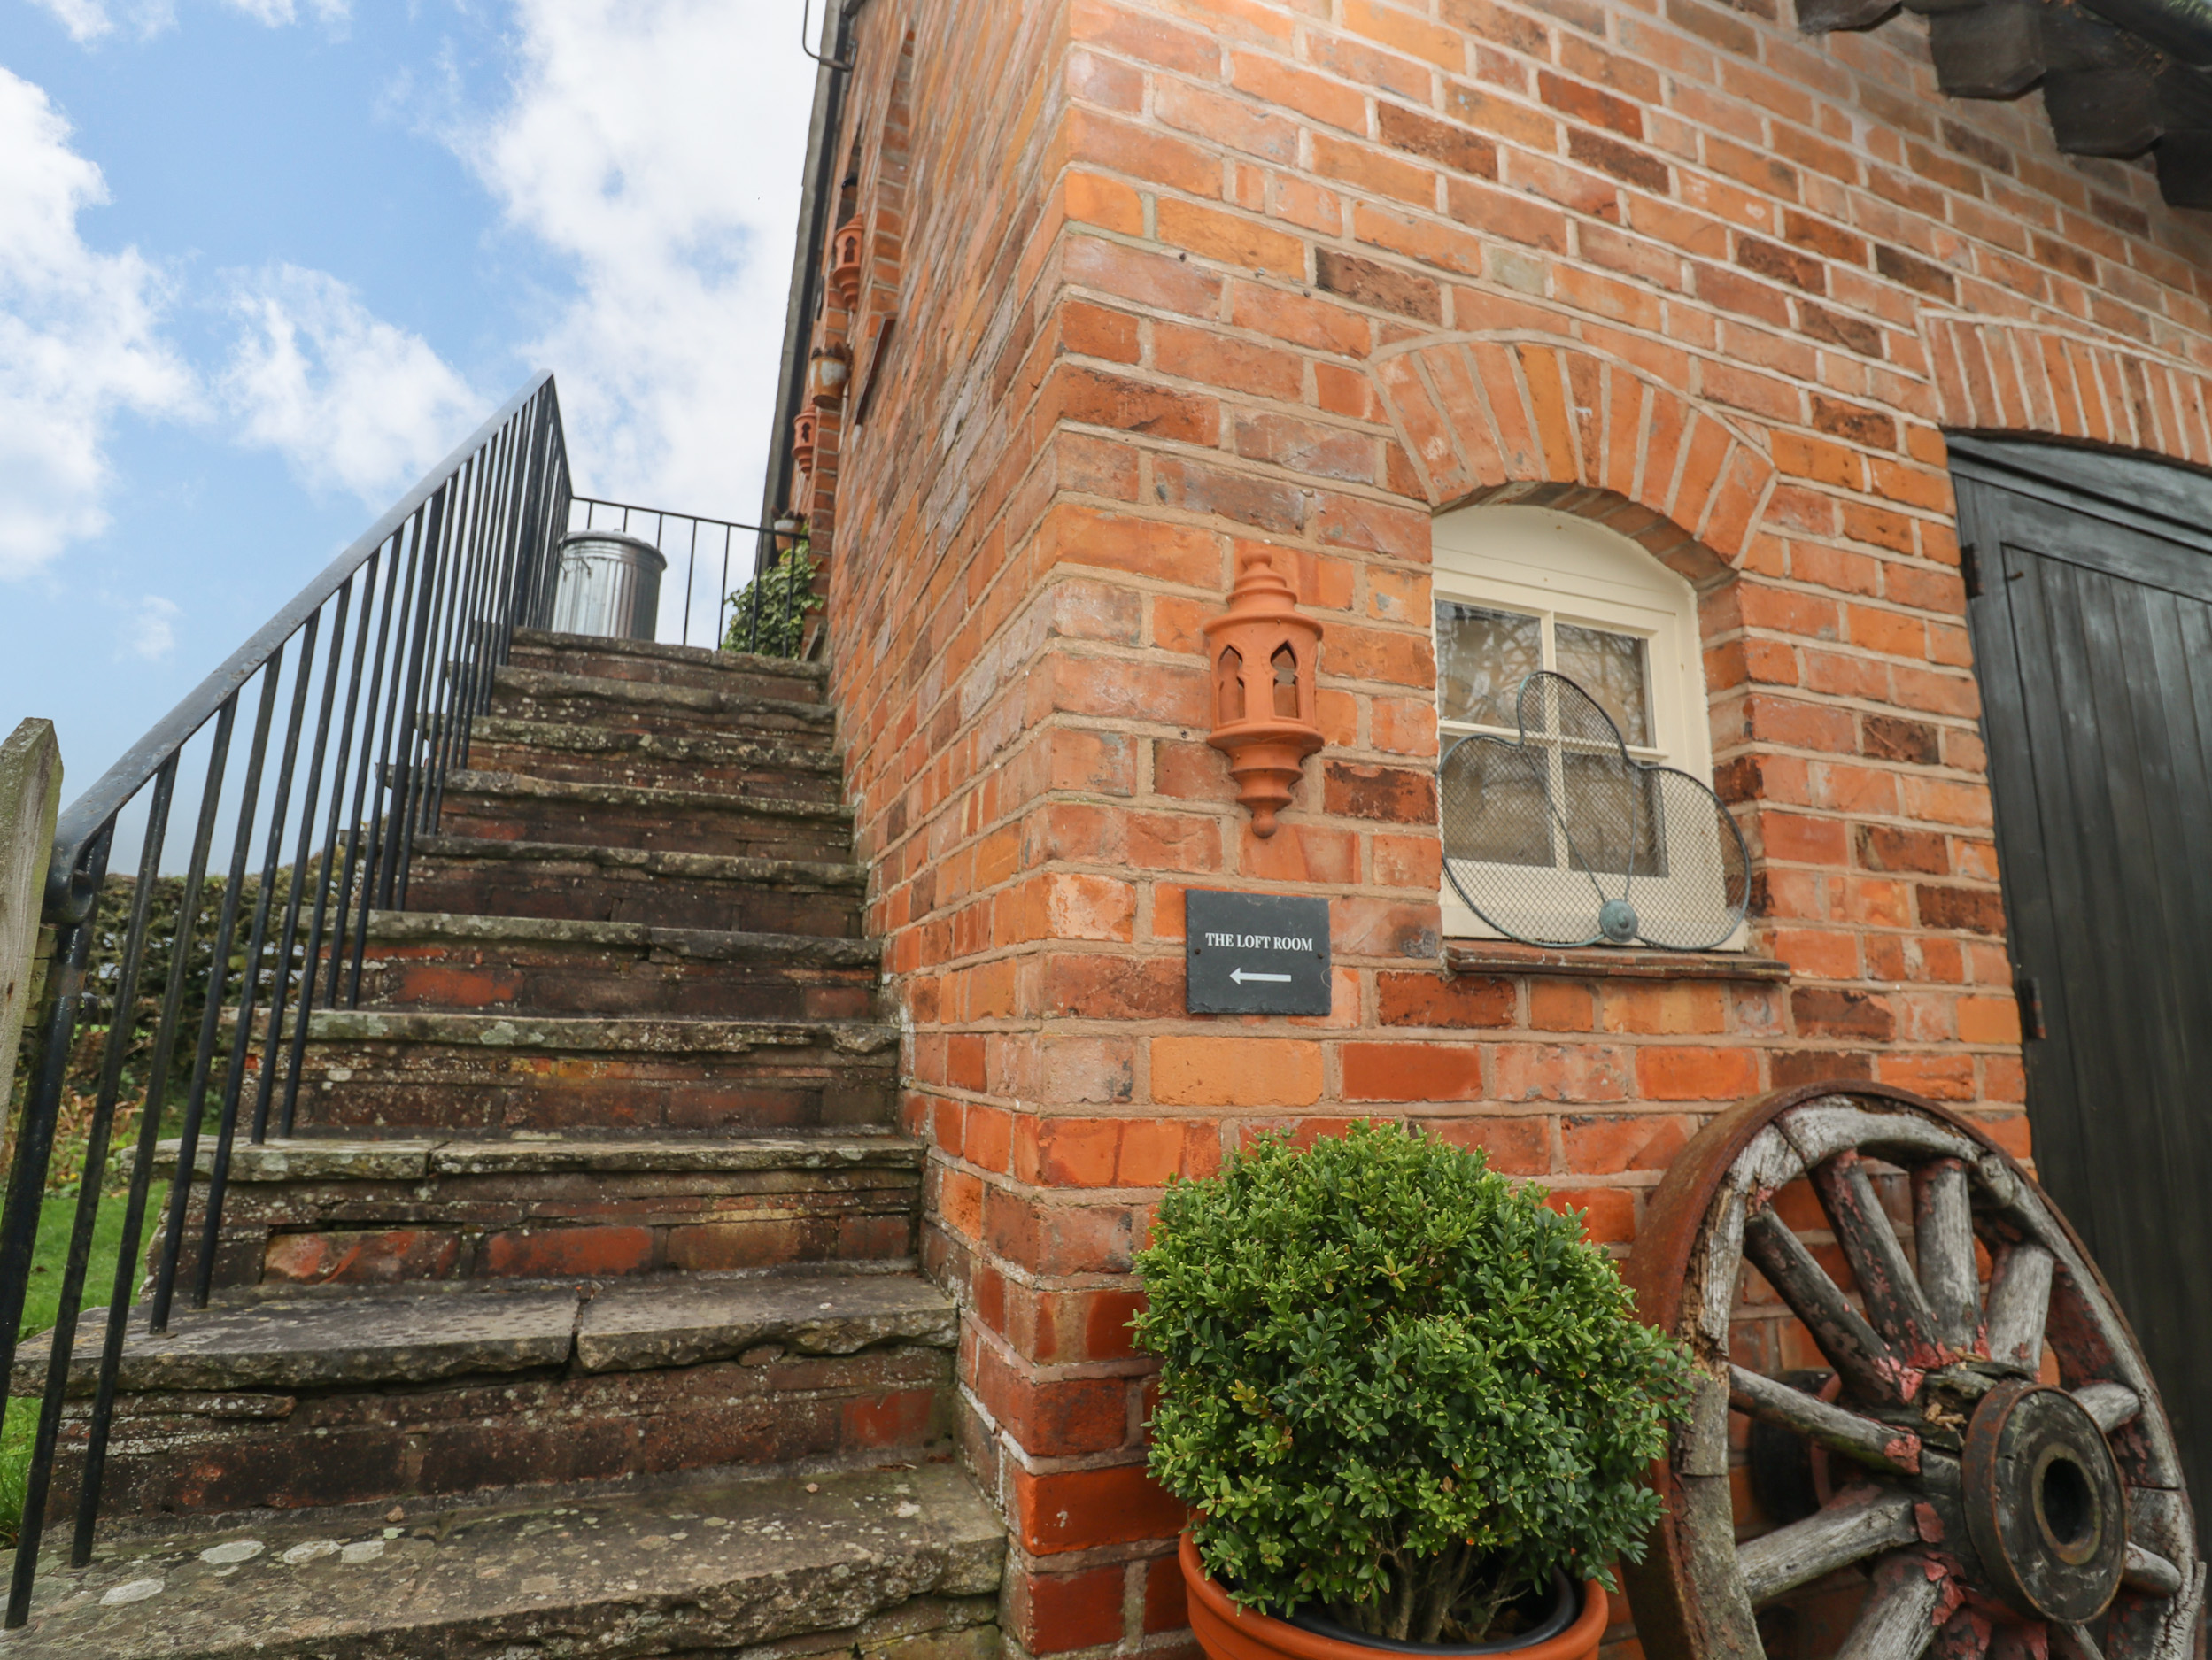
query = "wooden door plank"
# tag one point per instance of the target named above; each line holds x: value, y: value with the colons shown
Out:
x: 2094, y: 637
x: 2172, y: 854
x: 2000, y: 617
x: 2087, y: 721
x: 2166, y: 502
x: 2060, y: 1099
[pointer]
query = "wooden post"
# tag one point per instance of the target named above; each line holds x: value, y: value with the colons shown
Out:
x: 30, y: 795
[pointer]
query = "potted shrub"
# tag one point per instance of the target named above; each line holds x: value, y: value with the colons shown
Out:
x: 1409, y: 1405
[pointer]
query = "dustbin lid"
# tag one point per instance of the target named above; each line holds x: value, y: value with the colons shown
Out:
x: 614, y: 543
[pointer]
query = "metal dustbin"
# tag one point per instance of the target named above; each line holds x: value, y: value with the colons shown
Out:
x: 610, y: 585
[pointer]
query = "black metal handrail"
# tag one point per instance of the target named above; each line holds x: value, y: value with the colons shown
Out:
x: 395, y: 646
x: 767, y: 615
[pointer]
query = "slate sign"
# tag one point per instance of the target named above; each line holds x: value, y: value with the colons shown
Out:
x: 1255, y: 954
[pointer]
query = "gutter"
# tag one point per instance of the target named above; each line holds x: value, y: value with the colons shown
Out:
x: 2180, y: 27
x: 815, y: 202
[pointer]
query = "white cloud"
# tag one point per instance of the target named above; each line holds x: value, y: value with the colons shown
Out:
x: 89, y: 20
x: 150, y: 631
x: 348, y: 400
x: 278, y: 12
x: 85, y: 19
x: 655, y: 146
x: 78, y: 340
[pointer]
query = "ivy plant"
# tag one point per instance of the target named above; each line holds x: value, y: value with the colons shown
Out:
x: 1398, y: 1390
x: 768, y: 614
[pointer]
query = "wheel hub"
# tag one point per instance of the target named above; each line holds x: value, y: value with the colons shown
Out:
x: 2043, y: 1502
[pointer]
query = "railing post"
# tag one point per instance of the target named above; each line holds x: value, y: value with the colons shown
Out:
x: 27, y: 1175
x: 30, y: 795
x: 126, y: 1263
x: 211, y: 1013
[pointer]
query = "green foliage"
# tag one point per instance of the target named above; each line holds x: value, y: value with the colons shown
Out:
x: 42, y: 1302
x: 768, y: 614
x: 97, y: 1017
x: 104, y: 965
x: 1397, y: 1386
x: 17, y: 1431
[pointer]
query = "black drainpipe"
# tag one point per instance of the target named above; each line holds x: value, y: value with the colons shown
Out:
x: 816, y: 205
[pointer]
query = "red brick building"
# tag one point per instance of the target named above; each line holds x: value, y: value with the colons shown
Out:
x: 1392, y: 288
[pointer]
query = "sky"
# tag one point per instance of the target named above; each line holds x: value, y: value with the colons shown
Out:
x: 264, y: 262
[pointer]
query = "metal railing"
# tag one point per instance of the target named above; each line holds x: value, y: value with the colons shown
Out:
x: 767, y: 615
x: 327, y: 738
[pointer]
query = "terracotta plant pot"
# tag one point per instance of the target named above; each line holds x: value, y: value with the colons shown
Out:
x: 1229, y: 1633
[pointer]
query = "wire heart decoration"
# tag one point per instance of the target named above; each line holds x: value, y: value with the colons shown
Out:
x: 1562, y: 837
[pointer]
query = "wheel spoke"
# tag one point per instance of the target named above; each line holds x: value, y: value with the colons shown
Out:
x: 1852, y: 1526
x: 1886, y: 1281
x: 1870, y: 1371
x: 1929, y: 1432
x: 1879, y: 1445
x: 1943, y: 1233
x: 2111, y: 1404
x: 2148, y: 1571
x: 2019, y: 1302
x: 1898, y: 1619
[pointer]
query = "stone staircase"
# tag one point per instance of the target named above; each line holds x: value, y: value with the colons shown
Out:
x: 581, y: 1314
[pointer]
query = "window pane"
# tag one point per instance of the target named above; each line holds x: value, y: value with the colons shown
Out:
x: 1609, y: 668
x: 1482, y: 657
x: 1497, y: 806
x: 1610, y: 813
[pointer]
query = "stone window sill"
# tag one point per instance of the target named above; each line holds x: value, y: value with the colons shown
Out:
x: 1596, y: 963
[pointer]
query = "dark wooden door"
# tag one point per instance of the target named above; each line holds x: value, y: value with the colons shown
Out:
x: 2090, y: 600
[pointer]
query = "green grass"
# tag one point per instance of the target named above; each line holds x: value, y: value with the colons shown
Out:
x: 42, y: 1307
x: 41, y: 1302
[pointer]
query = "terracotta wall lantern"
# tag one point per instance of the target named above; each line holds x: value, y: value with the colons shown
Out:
x: 827, y: 372
x: 1264, y: 658
x: 803, y: 428
x: 845, y: 262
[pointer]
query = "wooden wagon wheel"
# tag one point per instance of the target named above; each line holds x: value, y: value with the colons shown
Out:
x: 1994, y: 1514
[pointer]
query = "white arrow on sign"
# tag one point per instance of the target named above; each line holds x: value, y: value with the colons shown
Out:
x: 1239, y: 976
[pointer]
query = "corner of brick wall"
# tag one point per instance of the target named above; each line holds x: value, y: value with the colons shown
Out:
x: 1172, y: 280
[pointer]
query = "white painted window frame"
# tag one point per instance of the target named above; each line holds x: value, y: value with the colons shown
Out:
x: 1564, y: 569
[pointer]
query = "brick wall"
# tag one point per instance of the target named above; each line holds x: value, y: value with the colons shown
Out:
x: 1172, y: 279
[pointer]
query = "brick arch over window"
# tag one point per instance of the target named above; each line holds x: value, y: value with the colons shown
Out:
x: 1481, y: 415
x: 2000, y: 377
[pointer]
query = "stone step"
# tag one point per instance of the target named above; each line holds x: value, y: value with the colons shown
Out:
x: 382, y: 1072
x: 520, y: 808
x: 655, y: 760
x: 432, y: 960
x: 878, y: 1564
x: 649, y: 662
x: 628, y: 884
x: 298, y: 1339
x: 536, y: 694
x: 318, y: 1210
x: 314, y: 1398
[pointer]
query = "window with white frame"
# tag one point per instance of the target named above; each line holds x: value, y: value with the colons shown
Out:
x: 1517, y: 589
